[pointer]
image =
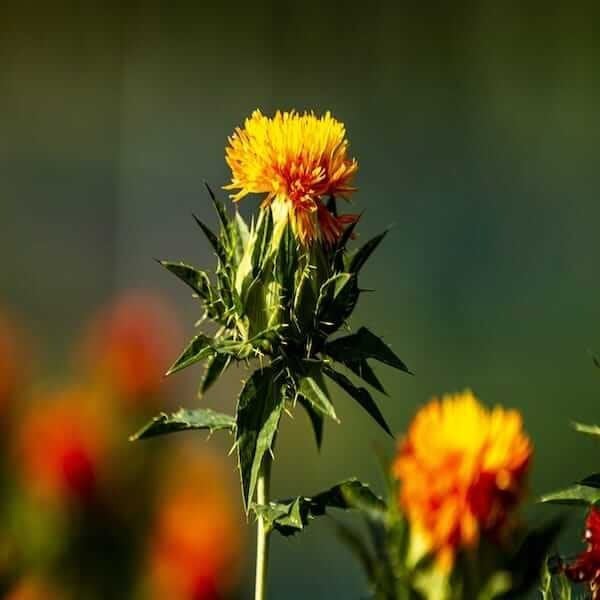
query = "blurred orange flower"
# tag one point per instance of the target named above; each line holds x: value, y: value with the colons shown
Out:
x: 131, y: 344
x: 462, y: 468
x: 62, y: 445
x: 196, y: 545
x: 32, y: 589
x: 296, y: 160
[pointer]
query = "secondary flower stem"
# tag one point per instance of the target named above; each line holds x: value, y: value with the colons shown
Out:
x: 264, y: 531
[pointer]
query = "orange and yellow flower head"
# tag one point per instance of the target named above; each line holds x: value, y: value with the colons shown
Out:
x: 297, y: 160
x: 462, y: 471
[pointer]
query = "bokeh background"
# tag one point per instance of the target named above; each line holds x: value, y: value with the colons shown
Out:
x: 477, y: 130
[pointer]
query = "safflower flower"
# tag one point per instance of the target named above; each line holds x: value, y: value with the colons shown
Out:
x: 462, y: 470
x: 297, y: 160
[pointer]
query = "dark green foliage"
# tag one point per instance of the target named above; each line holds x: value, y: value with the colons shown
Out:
x: 289, y: 517
x: 279, y: 303
x: 492, y: 571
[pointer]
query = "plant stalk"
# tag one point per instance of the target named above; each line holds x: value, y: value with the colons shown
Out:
x: 264, y: 531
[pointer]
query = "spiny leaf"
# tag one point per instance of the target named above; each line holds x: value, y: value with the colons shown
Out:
x: 213, y: 239
x: 591, y: 481
x: 316, y: 420
x: 217, y: 365
x: 200, y: 348
x: 291, y: 516
x: 220, y: 208
x: 264, y: 231
x: 360, y: 258
x: 363, y: 345
x: 588, y: 429
x: 312, y: 388
x: 197, y: 280
x: 185, y: 420
x: 239, y: 235
x: 577, y: 495
x: 259, y: 409
x: 331, y: 289
x: 362, y: 369
x: 361, y: 395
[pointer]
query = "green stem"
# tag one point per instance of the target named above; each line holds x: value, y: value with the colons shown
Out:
x: 264, y: 531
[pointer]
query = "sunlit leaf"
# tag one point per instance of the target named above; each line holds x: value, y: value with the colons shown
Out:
x: 587, y: 429
x: 578, y: 495
x: 259, y: 410
x: 185, y: 420
x: 197, y: 280
x: 312, y: 387
x: 200, y: 348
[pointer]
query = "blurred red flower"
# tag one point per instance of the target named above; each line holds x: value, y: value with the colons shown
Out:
x: 62, y: 446
x: 131, y: 343
x: 12, y: 361
x: 196, y: 545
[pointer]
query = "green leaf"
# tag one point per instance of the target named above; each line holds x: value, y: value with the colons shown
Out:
x: 217, y: 365
x: 576, y: 495
x: 587, y: 429
x: 185, y: 420
x: 362, y: 256
x: 361, y: 395
x: 259, y: 410
x: 200, y: 348
x: 316, y: 420
x: 213, y: 239
x: 363, y: 345
x: 362, y: 369
x: 312, y: 387
x: 197, y: 280
x: 289, y: 517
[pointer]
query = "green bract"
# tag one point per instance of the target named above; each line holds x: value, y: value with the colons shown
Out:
x: 280, y: 307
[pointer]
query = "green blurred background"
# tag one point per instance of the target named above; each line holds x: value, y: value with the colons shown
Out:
x: 477, y: 133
